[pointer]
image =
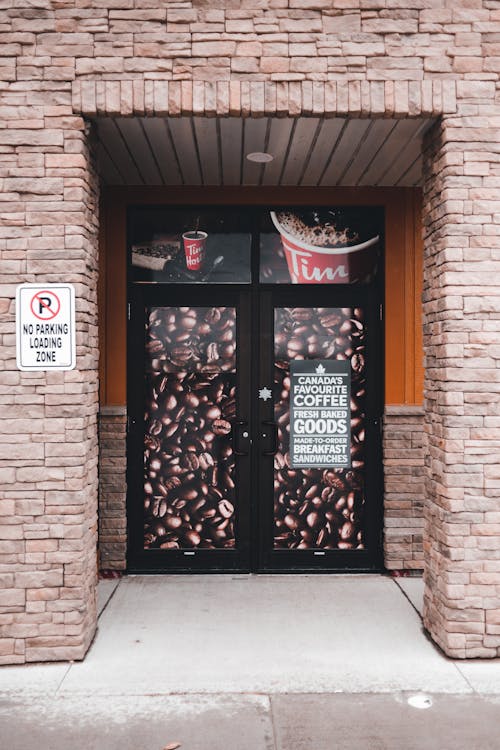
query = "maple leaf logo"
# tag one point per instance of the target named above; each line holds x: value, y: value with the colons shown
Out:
x: 320, y: 369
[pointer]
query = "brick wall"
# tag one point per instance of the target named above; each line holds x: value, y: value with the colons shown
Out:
x: 48, y: 435
x: 462, y: 383
x: 247, y: 57
x: 112, y: 488
x: 403, y: 487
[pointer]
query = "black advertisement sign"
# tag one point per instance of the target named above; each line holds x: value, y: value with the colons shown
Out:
x: 320, y: 414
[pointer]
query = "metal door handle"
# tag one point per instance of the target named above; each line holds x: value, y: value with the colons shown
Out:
x: 270, y: 431
x: 241, y: 438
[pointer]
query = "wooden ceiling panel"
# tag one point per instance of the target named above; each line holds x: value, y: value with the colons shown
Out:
x: 112, y: 140
x: 254, y: 139
x: 389, y: 152
x: 346, y: 148
x: 144, y: 157
x: 159, y: 138
x: 182, y: 132
x: 401, y: 162
x: 109, y: 172
x: 323, y: 148
x: 306, y: 150
x: 299, y: 150
x: 377, y: 135
x: 413, y: 176
x: 280, y: 131
x: 205, y: 130
x: 231, y: 147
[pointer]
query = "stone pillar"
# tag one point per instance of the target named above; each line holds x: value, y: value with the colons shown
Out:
x: 462, y: 383
x: 403, y: 487
x: 48, y: 430
x: 113, y: 488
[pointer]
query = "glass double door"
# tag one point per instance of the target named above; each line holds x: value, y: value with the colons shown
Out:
x: 254, y: 429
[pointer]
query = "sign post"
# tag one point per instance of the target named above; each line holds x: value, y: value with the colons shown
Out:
x: 45, y: 327
x: 320, y: 414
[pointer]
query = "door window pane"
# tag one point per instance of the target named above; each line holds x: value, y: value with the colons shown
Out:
x: 319, y: 508
x: 189, y: 469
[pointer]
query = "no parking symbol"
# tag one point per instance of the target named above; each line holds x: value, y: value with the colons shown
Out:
x: 45, y: 305
x: 45, y: 327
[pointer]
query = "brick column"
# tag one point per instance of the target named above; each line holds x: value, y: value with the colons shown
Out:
x: 462, y: 386
x: 403, y: 487
x: 48, y: 430
x: 113, y: 488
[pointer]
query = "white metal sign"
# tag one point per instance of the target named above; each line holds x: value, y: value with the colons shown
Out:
x: 45, y: 327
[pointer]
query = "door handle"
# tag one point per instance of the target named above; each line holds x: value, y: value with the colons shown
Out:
x: 241, y: 438
x: 270, y: 432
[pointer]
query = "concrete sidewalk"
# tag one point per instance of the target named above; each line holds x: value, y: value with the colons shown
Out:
x: 261, y: 662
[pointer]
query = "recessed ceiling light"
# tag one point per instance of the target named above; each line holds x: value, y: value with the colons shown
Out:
x: 260, y: 157
x: 420, y: 701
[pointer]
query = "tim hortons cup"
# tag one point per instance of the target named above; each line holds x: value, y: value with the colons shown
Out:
x: 310, y: 263
x: 194, y: 247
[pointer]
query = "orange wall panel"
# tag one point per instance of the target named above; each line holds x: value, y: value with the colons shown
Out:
x: 403, y: 273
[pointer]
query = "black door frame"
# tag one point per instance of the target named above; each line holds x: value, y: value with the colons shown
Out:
x: 141, y: 297
x: 370, y: 559
x: 255, y: 519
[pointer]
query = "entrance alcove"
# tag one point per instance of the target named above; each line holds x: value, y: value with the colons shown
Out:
x: 195, y: 160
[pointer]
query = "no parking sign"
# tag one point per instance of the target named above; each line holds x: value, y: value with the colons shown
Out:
x: 45, y: 327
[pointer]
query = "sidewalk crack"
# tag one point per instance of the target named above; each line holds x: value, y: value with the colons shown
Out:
x: 62, y: 679
x: 108, y: 600
x: 465, y: 678
x: 273, y: 722
x: 407, y: 598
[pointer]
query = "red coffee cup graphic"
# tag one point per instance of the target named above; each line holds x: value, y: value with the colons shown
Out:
x: 343, y: 263
x: 194, y: 247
